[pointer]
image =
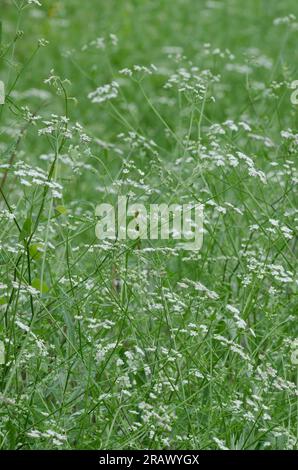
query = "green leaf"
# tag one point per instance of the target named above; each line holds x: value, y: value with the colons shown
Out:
x: 41, y: 287
x: 35, y: 250
x: 26, y: 229
x: 61, y: 210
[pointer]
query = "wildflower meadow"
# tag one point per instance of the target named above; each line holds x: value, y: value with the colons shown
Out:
x: 148, y: 225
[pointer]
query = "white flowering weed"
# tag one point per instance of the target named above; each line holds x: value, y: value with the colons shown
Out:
x: 140, y: 344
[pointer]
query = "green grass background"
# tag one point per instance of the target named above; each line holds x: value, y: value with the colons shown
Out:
x: 159, y: 362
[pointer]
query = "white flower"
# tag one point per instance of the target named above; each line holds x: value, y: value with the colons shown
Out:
x: 34, y: 2
x: 221, y: 444
x: 104, y: 93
